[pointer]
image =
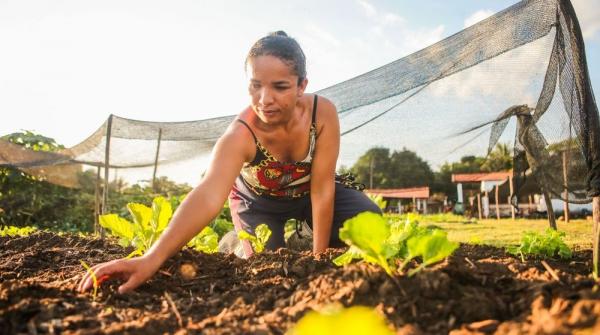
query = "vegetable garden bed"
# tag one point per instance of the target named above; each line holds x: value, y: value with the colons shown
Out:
x: 479, y: 289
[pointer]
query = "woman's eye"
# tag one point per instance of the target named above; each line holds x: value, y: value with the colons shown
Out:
x: 281, y: 88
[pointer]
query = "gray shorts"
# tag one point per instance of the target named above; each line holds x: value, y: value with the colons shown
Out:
x: 248, y: 210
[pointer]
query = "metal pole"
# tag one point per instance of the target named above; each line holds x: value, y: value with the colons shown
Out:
x: 596, y: 232
x: 479, y: 205
x: 97, y: 202
x: 106, y: 168
x: 566, y: 180
x: 512, y: 208
x: 371, y: 164
x: 156, y: 159
x: 550, y: 210
x: 497, y: 203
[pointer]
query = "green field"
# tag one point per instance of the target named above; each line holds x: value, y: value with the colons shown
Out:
x: 505, y: 232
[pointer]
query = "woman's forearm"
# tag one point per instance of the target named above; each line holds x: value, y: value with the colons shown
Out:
x: 192, y: 215
x: 322, y: 214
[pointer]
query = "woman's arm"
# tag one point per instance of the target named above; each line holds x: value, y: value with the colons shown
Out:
x: 201, y: 205
x: 322, y: 185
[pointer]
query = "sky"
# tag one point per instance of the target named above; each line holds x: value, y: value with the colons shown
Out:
x: 66, y: 65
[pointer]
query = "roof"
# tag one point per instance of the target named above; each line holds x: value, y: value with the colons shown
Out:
x: 402, y: 193
x: 480, y: 176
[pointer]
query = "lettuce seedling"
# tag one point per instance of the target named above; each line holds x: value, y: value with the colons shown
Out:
x: 432, y: 248
x: 259, y: 241
x: 374, y: 240
x: 548, y: 244
x: 147, y: 226
x: 356, y: 320
x: 367, y: 235
x: 95, y: 283
x: 13, y: 231
x: 378, y: 200
x: 207, y: 241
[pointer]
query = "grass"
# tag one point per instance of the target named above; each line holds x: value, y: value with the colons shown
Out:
x: 504, y: 232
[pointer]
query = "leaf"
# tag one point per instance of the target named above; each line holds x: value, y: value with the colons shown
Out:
x: 260, y: 240
x: 368, y: 232
x: 118, y: 226
x: 207, y: 241
x: 432, y: 248
x: 141, y: 214
x: 356, y: 320
x: 346, y: 258
x: 263, y: 233
x: 161, y: 214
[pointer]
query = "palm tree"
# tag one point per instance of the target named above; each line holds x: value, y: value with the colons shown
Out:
x: 500, y: 159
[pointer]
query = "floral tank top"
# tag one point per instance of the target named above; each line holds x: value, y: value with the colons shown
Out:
x: 267, y: 176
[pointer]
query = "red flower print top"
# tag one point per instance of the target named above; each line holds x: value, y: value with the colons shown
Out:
x: 267, y: 176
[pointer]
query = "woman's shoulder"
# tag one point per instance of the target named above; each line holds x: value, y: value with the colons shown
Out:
x: 326, y: 109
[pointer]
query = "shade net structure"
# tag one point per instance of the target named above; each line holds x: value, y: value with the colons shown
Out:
x: 517, y: 77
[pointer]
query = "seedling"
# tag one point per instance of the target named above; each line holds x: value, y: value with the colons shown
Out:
x: 548, y: 244
x: 94, y: 279
x: 207, y: 241
x: 356, y: 320
x: 259, y: 241
x: 13, y: 231
x: 374, y: 240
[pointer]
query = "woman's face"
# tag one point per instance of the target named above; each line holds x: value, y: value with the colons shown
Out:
x: 273, y: 88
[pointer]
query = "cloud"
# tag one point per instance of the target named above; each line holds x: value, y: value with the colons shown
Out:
x: 320, y: 33
x: 368, y: 8
x: 391, y: 19
x: 478, y: 16
x: 588, y: 13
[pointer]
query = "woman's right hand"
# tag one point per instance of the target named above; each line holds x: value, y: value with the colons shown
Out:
x: 134, y: 272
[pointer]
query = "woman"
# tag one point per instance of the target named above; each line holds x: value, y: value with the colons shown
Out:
x: 279, y: 155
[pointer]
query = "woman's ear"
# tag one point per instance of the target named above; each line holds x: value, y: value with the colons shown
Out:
x: 302, y: 87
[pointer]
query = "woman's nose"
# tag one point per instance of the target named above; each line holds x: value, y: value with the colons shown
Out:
x: 265, y: 97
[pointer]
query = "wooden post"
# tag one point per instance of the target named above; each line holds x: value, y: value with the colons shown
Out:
x: 566, y: 208
x: 596, y: 237
x: 479, y: 205
x: 97, y: 202
x: 550, y: 210
x: 497, y: 203
x: 512, y: 208
x: 487, y: 197
x: 371, y: 164
x: 530, y: 205
x: 414, y: 205
x: 106, y: 168
x: 156, y: 158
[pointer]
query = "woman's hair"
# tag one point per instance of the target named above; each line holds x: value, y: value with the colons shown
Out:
x: 279, y: 44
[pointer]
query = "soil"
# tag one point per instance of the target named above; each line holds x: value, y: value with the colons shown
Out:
x: 478, y: 290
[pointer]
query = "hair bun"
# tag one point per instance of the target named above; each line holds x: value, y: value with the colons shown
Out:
x: 278, y: 33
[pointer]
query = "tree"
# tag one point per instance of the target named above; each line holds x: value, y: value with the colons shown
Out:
x: 407, y: 169
x: 500, y: 159
x: 400, y: 169
x: 373, y: 166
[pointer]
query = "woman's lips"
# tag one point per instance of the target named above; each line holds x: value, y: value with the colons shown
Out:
x: 269, y: 112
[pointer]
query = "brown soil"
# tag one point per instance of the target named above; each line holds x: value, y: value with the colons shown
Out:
x: 479, y: 290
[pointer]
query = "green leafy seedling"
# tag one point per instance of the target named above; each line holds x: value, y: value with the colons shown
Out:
x: 373, y: 239
x: 432, y: 248
x: 259, y: 241
x: 207, y: 241
x: 356, y: 320
x: 94, y: 279
x: 548, y: 244
x: 367, y: 234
